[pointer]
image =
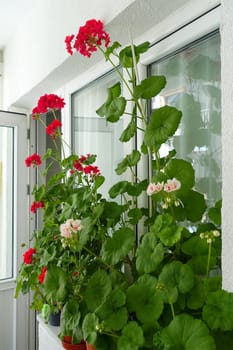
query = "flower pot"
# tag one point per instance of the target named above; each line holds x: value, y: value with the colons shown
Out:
x: 66, y: 343
x: 89, y: 346
x: 54, y: 319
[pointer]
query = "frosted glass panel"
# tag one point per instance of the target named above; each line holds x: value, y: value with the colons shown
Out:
x: 6, y: 202
x: 92, y: 134
x: 194, y: 87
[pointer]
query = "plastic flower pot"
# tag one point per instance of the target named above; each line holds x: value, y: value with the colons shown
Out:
x: 67, y: 344
x: 54, y: 319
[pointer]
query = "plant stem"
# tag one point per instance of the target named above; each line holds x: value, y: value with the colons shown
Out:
x: 208, y: 260
x: 172, y: 309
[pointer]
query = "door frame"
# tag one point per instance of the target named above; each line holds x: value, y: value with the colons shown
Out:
x: 23, y: 317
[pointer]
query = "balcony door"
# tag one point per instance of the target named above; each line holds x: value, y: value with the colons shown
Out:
x: 14, y: 314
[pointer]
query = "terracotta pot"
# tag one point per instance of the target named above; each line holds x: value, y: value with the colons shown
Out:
x: 66, y: 343
x: 89, y: 346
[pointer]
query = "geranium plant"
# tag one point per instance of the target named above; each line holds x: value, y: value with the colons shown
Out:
x: 160, y: 291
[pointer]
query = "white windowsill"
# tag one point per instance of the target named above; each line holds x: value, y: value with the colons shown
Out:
x: 48, y: 336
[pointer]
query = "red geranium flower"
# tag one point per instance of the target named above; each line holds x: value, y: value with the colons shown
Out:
x: 34, y: 159
x: 68, y: 41
x: 41, y: 276
x: 36, y: 205
x: 28, y: 255
x: 52, y: 127
x: 90, y: 36
x: 46, y: 103
x: 91, y: 169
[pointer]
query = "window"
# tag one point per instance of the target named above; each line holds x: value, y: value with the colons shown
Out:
x: 194, y: 87
x: 91, y: 133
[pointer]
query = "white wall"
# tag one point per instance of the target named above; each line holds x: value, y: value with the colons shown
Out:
x: 227, y: 141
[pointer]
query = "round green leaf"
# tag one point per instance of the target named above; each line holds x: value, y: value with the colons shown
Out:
x: 176, y: 276
x: 149, y: 254
x: 150, y: 87
x: 113, y: 312
x: 117, y: 189
x: 97, y: 290
x: 132, y: 337
x: 144, y: 300
x: 89, y: 327
x: 163, y: 123
x: 217, y: 312
x: 187, y: 333
x: 118, y: 246
x: 55, y: 285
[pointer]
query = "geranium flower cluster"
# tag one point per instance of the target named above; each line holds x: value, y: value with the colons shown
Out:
x: 28, y: 256
x: 36, y: 205
x: 70, y: 227
x: 53, y: 129
x: 89, y: 36
x: 42, y: 275
x: 34, y: 159
x: 170, y: 186
x: 69, y: 232
x: 80, y: 166
x: 46, y: 103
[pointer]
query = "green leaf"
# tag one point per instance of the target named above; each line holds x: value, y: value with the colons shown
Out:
x: 130, y: 130
x: 132, y: 337
x: 135, y: 215
x: 197, y: 295
x: 118, y: 246
x: 126, y: 56
x: 198, y: 249
x: 187, y: 333
x: 117, y: 189
x: 150, y: 87
x: 170, y: 235
x: 113, y: 312
x: 149, y: 254
x: 176, y: 277
x: 136, y: 189
x: 214, y: 213
x: 163, y: 124
x: 144, y: 300
x: 129, y: 161
x: 113, y: 210
x: 114, y: 107
x: 217, y: 312
x: 194, y: 205
x: 55, y: 285
x: 99, y: 180
x: 182, y: 171
x: 110, y: 49
x: 89, y: 327
x: 167, y: 230
x: 97, y: 290
x: 70, y: 317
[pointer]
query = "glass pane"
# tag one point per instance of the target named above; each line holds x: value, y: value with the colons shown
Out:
x: 6, y: 202
x: 194, y: 87
x: 91, y: 133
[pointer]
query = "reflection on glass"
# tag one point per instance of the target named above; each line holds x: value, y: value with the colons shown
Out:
x: 6, y: 202
x: 194, y: 87
x: 91, y: 133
